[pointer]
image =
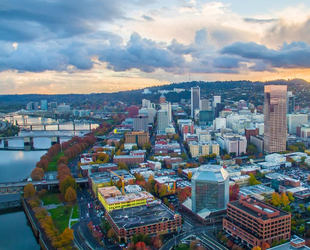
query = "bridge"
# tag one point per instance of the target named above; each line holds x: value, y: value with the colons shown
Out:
x: 17, y: 187
x: 44, y: 126
x: 28, y: 141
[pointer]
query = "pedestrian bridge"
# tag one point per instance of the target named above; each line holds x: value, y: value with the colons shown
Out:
x: 17, y: 187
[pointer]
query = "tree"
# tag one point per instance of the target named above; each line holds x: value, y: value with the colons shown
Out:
x: 284, y: 199
x: 63, y: 160
x: 111, y: 234
x: 180, y: 171
x: 66, y: 183
x: 122, y: 165
x: 118, y: 152
x: 134, y: 147
x: 70, y: 195
x: 256, y: 248
x: 176, y: 137
x: 265, y: 246
x: 276, y: 199
x: 67, y: 237
x: 29, y: 191
x: 63, y: 171
x: 42, y: 164
x: 226, y: 157
x: 234, y: 192
x: 37, y: 174
x: 147, y: 146
x: 253, y: 180
x: 184, y: 156
x: 140, y: 246
x: 189, y: 175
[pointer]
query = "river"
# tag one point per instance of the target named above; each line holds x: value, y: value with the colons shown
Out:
x: 15, y: 166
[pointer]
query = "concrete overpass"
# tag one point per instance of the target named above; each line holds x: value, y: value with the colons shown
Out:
x: 17, y: 187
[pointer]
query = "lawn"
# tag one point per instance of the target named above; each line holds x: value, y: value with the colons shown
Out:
x: 52, y: 166
x: 51, y: 198
x: 75, y: 214
x: 61, y: 217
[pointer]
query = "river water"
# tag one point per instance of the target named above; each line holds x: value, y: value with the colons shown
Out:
x: 15, y: 233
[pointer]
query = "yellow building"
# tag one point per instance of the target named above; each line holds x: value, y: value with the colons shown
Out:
x: 111, y: 198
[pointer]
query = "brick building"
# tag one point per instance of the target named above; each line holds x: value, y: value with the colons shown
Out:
x: 128, y: 159
x: 253, y: 222
x: 138, y: 137
x: 152, y: 220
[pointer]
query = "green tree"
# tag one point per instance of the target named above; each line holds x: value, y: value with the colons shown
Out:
x: 147, y: 146
x: 122, y: 165
x: 29, y: 191
x: 184, y: 156
x: 226, y: 157
x: 253, y: 181
x: 134, y: 147
x: 290, y: 196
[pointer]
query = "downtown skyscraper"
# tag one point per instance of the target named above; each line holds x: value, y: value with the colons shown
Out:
x: 275, y: 108
x: 195, y: 100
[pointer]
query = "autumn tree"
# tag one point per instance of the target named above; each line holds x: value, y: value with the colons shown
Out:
x: 70, y: 195
x: 37, y: 174
x: 234, y: 192
x: 256, y: 248
x: 122, y: 165
x: 284, y: 199
x: 66, y: 183
x: 63, y: 160
x: 265, y: 246
x: 67, y: 237
x: 42, y: 164
x: 276, y: 199
x: 63, y: 171
x: 189, y: 175
x: 29, y: 190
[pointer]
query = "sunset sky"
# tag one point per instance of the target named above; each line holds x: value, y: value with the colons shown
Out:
x: 86, y: 46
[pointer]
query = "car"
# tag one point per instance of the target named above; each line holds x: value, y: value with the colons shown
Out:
x: 88, y: 204
x: 43, y: 181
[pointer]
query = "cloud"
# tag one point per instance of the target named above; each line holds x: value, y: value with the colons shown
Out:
x: 22, y: 21
x: 254, y: 20
x: 293, y: 55
x: 148, y: 18
x: 143, y: 54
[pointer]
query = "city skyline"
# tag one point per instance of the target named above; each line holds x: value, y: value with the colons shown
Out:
x: 120, y: 45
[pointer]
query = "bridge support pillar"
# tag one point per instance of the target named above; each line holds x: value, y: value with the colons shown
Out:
x: 6, y: 144
x: 73, y: 127
x: 28, y: 143
x: 44, y: 127
x: 30, y: 127
x: 55, y: 140
x: 58, y: 127
x: 89, y: 126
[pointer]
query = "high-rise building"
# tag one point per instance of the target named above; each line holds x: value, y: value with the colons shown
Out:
x: 218, y: 109
x: 206, y: 117
x: 146, y: 103
x: 216, y: 100
x: 167, y: 107
x: 210, y: 189
x: 141, y: 122
x: 195, y: 99
x: 43, y: 104
x: 204, y: 104
x: 253, y: 222
x: 162, y: 99
x: 275, y: 118
x: 290, y: 102
x: 162, y: 120
x: 150, y: 112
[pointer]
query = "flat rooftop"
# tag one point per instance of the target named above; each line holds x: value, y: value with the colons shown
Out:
x: 119, y: 198
x: 104, y: 165
x: 256, y: 189
x: 263, y: 209
x: 140, y: 216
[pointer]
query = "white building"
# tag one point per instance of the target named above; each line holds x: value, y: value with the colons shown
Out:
x: 220, y: 123
x: 162, y: 120
x: 295, y: 120
x: 216, y: 100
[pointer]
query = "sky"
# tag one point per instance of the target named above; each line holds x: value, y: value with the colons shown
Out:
x: 91, y: 46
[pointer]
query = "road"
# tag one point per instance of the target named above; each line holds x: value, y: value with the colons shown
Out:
x: 205, y: 237
x: 82, y: 236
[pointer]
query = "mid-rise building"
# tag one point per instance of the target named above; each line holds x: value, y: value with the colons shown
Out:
x: 254, y: 222
x: 141, y: 123
x: 128, y: 159
x: 216, y: 100
x: 149, y: 112
x: 275, y: 107
x: 206, y: 117
x: 162, y: 99
x: 295, y: 120
x: 43, y: 104
x: 203, y: 148
x: 138, y: 137
x: 204, y: 104
x: 195, y: 100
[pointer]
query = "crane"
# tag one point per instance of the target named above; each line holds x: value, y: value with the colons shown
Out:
x: 122, y: 178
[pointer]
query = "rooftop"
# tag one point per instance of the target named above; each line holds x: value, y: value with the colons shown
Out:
x: 256, y: 189
x: 258, y: 209
x: 210, y: 173
x: 104, y: 165
x: 140, y: 216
